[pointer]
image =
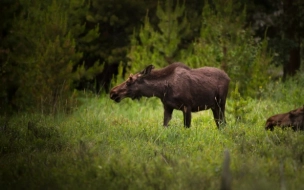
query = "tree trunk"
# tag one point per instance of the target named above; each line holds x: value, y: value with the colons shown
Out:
x: 292, y: 32
x: 293, y: 64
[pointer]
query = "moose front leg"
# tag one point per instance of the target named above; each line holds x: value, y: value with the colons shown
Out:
x: 187, y: 116
x: 167, y: 115
x: 269, y: 126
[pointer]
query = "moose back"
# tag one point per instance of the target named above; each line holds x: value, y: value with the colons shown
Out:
x: 179, y: 87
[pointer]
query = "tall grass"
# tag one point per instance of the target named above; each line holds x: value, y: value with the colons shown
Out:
x: 105, y: 145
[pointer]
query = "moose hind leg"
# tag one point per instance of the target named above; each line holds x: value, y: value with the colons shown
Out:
x: 167, y: 115
x: 216, y: 116
x: 219, y: 112
x: 222, y: 113
x: 187, y: 116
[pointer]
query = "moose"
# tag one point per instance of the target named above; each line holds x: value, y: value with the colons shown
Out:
x: 293, y: 119
x: 179, y: 87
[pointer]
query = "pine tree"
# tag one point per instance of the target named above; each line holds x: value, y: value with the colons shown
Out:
x: 173, y: 27
x: 116, y: 20
x: 225, y: 42
x: 159, y: 45
x: 45, y: 55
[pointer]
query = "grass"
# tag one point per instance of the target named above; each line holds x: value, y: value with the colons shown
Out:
x: 105, y: 145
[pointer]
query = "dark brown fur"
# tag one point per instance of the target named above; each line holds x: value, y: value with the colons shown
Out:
x: 293, y: 119
x: 179, y: 87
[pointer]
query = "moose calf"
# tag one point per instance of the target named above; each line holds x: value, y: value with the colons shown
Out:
x: 293, y: 119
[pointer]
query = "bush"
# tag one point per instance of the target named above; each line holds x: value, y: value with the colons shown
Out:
x: 226, y: 42
x: 42, y: 65
x: 159, y: 46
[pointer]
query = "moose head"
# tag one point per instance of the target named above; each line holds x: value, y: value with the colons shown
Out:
x: 134, y: 87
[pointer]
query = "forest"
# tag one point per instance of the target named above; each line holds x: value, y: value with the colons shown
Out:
x: 59, y: 59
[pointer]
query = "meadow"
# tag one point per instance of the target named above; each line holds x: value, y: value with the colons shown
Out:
x: 106, y: 145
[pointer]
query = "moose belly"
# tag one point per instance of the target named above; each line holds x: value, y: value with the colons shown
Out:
x: 200, y: 108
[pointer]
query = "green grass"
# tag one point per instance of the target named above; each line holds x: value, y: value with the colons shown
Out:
x: 105, y: 145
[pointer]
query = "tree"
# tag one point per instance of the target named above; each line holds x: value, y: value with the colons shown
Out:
x: 226, y: 42
x: 283, y: 21
x: 41, y: 62
x: 116, y: 20
x: 293, y: 32
x: 159, y: 45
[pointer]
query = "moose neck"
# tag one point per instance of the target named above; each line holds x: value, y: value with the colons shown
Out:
x: 157, y: 88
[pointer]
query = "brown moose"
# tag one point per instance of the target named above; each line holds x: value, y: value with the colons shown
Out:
x: 179, y: 87
x: 293, y: 119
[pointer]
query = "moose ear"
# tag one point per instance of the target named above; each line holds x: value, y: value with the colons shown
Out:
x: 147, y: 70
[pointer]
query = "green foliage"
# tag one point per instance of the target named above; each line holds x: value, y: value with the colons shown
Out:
x: 239, y: 107
x: 159, y: 45
x: 119, y: 78
x: 45, y: 56
x: 42, y: 63
x: 173, y: 27
x: 117, y: 19
x: 142, y: 49
x: 225, y: 42
x: 86, y: 38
